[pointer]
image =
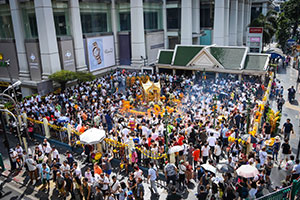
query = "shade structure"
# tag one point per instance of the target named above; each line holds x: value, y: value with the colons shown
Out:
x: 63, y: 119
x: 247, y: 171
x: 209, y: 167
x: 92, y: 136
x: 175, y: 149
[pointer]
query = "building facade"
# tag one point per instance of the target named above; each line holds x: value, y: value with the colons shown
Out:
x: 40, y: 37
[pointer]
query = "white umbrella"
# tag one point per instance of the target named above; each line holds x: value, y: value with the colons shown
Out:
x: 209, y: 167
x: 176, y: 149
x: 92, y: 136
x: 247, y: 171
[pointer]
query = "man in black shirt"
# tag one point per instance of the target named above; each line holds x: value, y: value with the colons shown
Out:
x: 287, y: 129
x: 174, y: 195
x: 286, y: 151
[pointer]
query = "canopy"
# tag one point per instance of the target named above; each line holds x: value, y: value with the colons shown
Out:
x: 92, y: 136
x: 209, y: 167
x: 247, y: 171
x: 175, y: 149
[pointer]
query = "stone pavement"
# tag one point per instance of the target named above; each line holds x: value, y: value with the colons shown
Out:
x: 287, y: 77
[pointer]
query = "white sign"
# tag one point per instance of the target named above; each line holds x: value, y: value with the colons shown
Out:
x: 101, y: 52
x: 255, y: 39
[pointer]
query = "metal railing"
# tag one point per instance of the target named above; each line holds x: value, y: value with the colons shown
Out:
x: 281, y: 194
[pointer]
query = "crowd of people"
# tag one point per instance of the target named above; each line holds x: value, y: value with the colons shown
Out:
x: 209, y: 112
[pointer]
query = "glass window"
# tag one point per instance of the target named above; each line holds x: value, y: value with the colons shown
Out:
x: 94, y: 23
x: 207, y: 14
x: 29, y: 20
x: 61, y: 18
x: 173, y: 18
x: 153, y: 15
x: 95, y: 17
x: 125, y: 21
x: 150, y: 20
x: 6, y: 26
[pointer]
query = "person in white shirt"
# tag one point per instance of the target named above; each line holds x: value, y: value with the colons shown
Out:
x: 217, y: 152
x: 138, y: 173
x: 212, y: 142
x: 152, y: 175
x: 115, y: 186
x: 55, y: 155
x: 263, y: 156
x: 104, y: 181
x: 31, y: 164
x: 88, y: 175
x: 77, y: 170
x: 65, y: 168
x: 205, y: 152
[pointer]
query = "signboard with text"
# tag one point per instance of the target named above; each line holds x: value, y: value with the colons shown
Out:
x: 101, y: 52
x: 255, y: 39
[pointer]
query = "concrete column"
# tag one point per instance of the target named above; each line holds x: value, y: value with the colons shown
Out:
x: 76, y: 32
x: 249, y: 11
x: 240, y: 29
x: 16, y: 15
x: 246, y: 6
x: 233, y: 22
x: 166, y: 39
x: 196, y: 18
x: 226, y: 22
x: 264, y: 9
x: 47, y: 37
x: 138, y: 48
x: 186, y: 22
x: 219, y: 26
x: 174, y: 72
x: 115, y: 30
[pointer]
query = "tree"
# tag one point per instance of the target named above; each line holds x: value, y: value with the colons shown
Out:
x: 284, y: 31
x: 62, y: 77
x: 291, y: 10
x: 268, y: 23
x: 84, y: 76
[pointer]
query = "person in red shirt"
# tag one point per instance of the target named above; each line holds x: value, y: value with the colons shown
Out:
x: 180, y: 140
x: 196, y: 156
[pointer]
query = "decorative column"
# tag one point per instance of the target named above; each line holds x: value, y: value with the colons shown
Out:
x: 233, y: 22
x: 196, y: 18
x: 219, y: 26
x: 47, y: 37
x: 264, y: 9
x: 166, y: 39
x: 76, y: 32
x: 138, y: 49
x: 246, y: 6
x: 240, y: 29
x: 226, y: 22
x: 186, y: 22
x: 249, y: 11
x: 16, y: 15
x: 115, y: 30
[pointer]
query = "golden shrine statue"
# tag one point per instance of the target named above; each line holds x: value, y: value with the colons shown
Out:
x: 151, y: 91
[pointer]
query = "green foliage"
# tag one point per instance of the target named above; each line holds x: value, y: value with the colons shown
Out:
x: 291, y: 10
x: 284, y: 31
x: 84, y: 76
x: 269, y: 24
x: 62, y: 77
x: 288, y: 23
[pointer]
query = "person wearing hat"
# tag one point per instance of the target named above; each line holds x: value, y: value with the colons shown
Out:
x: 13, y: 155
x: 31, y: 164
x: 130, y: 195
x: 276, y: 148
x: 182, y: 170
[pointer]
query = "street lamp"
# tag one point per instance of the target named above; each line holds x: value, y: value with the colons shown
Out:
x: 248, y: 115
x: 166, y: 115
x: 16, y: 84
x: 18, y: 114
x: 215, y: 108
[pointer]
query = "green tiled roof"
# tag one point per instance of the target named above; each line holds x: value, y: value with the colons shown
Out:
x: 165, y: 57
x: 230, y: 58
x: 185, y: 53
x: 255, y: 62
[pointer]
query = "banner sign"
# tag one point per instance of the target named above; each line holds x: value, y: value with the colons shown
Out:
x: 101, y: 52
x: 255, y: 39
